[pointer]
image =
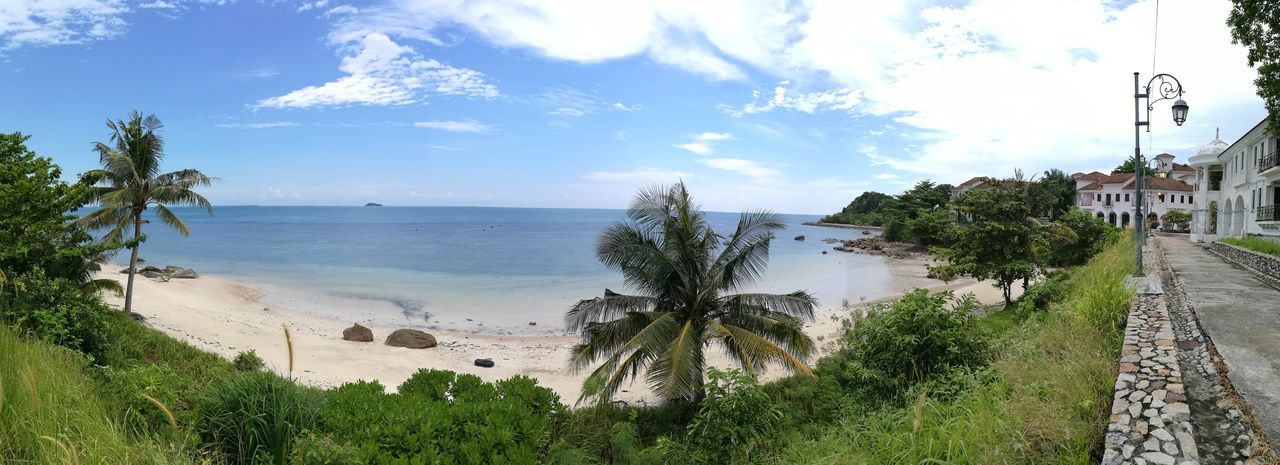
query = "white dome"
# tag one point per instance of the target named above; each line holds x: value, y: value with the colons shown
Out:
x: 1214, y: 148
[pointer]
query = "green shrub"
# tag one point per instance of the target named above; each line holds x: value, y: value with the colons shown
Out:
x: 442, y: 417
x: 1054, y: 288
x: 247, y: 361
x: 894, y: 231
x: 254, y: 414
x: 898, y: 344
x: 128, y: 390
x: 736, y: 423
x: 805, y: 400
x: 314, y: 449
x: 55, y: 311
x: 1092, y: 234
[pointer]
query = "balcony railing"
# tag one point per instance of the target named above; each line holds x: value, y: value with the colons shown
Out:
x: 1268, y: 213
x: 1269, y: 161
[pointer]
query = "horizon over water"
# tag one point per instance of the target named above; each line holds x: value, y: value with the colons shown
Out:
x: 484, y: 269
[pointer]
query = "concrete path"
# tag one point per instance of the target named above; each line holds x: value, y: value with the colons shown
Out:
x: 1242, y: 316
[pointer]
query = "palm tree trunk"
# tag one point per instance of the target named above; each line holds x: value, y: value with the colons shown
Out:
x: 133, y: 263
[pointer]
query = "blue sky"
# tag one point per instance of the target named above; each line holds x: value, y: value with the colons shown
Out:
x: 790, y: 106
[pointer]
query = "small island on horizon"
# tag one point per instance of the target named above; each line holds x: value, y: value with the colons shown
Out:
x: 371, y: 204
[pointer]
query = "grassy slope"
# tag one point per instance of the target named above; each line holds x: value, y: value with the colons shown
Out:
x: 1045, y: 399
x: 1255, y: 244
x: 52, y: 413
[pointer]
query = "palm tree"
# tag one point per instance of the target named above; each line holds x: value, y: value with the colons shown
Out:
x: 687, y: 277
x: 130, y: 182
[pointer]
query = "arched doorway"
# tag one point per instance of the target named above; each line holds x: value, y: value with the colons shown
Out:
x: 1212, y: 223
x: 1238, y: 228
x: 1225, y: 227
x: 1102, y: 216
x: 1124, y: 220
x: 1112, y: 219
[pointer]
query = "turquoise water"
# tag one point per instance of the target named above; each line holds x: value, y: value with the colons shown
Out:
x: 438, y: 267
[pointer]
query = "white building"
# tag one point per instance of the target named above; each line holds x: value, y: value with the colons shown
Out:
x: 1111, y: 196
x: 1237, y: 187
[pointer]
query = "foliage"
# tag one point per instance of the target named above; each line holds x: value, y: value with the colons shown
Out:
x: 929, y: 228
x: 51, y: 412
x: 897, y: 344
x: 311, y: 448
x: 864, y: 210
x: 131, y: 182
x: 685, y: 274
x: 441, y: 417
x: 1254, y: 24
x: 1127, y: 168
x: 56, y: 311
x: 1254, y: 244
x: 1006, y: 242
x: 737, y: 423
x: 247, y: 361
x: 1092, y: 234
x: 1060, y: 190
x: 1178, y: 218
x: 35, y: 228
x: 805, y: 400
x: 249, y: 415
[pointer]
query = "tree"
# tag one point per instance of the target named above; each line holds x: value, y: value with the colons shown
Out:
x: 1177, y: 218
x: 863, y: 210
x: 1091, y: 235
x: 1254, y: 24
x: 1127, y: 168
x: 1061, y: 191
x: 1006, y: 242
x: 130, y: 182
x: 36, y: 231
x: 685, y: 275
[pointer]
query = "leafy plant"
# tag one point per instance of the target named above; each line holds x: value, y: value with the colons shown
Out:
x: 55, y: 310
x: 898, y: 344
x: 255, y: 414
x: 247, y: 361
x: 737, y: 423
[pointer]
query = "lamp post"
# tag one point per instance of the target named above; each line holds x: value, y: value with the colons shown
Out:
x: 1168, y: 88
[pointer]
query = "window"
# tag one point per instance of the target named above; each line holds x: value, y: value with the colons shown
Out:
x: 1191, y: 199
x: 1161, y: 197
x: 1126, y: 197
x: 1099, y: 197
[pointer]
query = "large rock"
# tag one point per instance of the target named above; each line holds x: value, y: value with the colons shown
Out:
x: 180, y: 272
x: 411, y: 338
x: 800, y: 237
x: 358, y: 333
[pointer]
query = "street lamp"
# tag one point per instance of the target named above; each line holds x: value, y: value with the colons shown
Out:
x: 1168, y: 88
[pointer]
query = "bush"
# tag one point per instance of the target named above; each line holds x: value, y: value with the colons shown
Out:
x: 894, y: 231
x: 55, y: 311
x: 1091, y: 236
x: 442, y: 417
x: 128, y: 389
x: 252, y: 415
x: 805, y: 400
x: 1040, y: 295
x: 313, y: 449
x: 247, y: 361
x: 736, y: 423
x: 898, y: 344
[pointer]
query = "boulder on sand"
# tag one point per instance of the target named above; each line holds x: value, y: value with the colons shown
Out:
x: 357, y: 333
x: 484, y: 362
x: 180, y: 272
x: 411, y: 338
x: 800, y: 237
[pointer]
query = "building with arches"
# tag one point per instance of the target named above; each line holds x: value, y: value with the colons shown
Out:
x: 1237, y: 187
x: 1111, y: 197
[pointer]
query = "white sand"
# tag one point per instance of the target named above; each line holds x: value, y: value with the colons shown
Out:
x: 225, y: 317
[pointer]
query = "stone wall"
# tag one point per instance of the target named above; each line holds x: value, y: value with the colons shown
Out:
x: 1266, y: 267
x: 1150, y: 419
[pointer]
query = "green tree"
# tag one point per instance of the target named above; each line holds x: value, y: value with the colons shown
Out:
x: 1091, y: 236
x: 930, y: 227
x: 1006, y: 242
x: 1176, y: 217
x: 1060, y: 189
x: 686, y: 275
x: 1254, y: 24
x: 1127, y: 168
x: 131, y: 182
x: 36, y: 232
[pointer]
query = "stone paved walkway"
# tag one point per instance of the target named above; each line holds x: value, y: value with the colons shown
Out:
x: 1242, y: 316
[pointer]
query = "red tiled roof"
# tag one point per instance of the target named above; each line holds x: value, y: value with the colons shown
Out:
x: 1182, y: 167
x: 1094, y: 176
x: 1163, y: 184
x: 1099, y: 181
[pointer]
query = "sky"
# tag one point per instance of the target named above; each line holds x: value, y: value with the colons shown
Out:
x: 792, y: 106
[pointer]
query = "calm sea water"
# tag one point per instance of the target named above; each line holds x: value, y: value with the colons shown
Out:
x: 486, y: 269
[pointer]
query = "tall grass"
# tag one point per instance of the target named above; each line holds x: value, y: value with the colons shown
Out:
x: 51, y: 413
x: 1044, y: 400
x: 1255, y: 244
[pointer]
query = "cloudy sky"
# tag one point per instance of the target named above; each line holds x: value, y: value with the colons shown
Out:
x: 795, y: 106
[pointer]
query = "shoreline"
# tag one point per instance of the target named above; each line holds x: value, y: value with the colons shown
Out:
x: 226, y: 317
x: 843, y: 226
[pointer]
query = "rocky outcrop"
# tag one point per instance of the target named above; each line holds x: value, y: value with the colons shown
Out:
x: 180, y: 272
x: 357, y: 333
x: 800, y: 237
x: 411, y: 338
x: 876, y: 245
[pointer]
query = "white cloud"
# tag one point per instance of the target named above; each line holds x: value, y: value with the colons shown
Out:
x: 274, y: 193
x: 158, y: 5
x: 381, y: 72
x: 306, y: 6
x: 60, y: 22
x: 258, y: 73
x: 807, y: 102
x: 701, y: 144
x: 341, y: 10
x: 744, y: 167
x: 567, y: 111
x: 622, y: 107
x: 274, y: 124
x: 455, y: 126
x: 648, y: 175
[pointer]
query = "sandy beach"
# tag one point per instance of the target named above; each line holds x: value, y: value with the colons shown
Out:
x: 227, y: 317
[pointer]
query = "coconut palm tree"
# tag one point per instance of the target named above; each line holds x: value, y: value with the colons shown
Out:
x: 130, y: 182
x: 688, y: 281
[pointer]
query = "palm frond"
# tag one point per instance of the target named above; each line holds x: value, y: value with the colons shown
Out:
x: 600, y: 309
x: 642, y: 331
x: 754, y: 351
x: 798, y: 304
x: 167, y: 217
x: 678, y: 371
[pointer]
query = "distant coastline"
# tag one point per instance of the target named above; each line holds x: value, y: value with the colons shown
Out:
x: 842, y: 226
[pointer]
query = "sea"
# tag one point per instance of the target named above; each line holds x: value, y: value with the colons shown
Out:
x: 488, y: 270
